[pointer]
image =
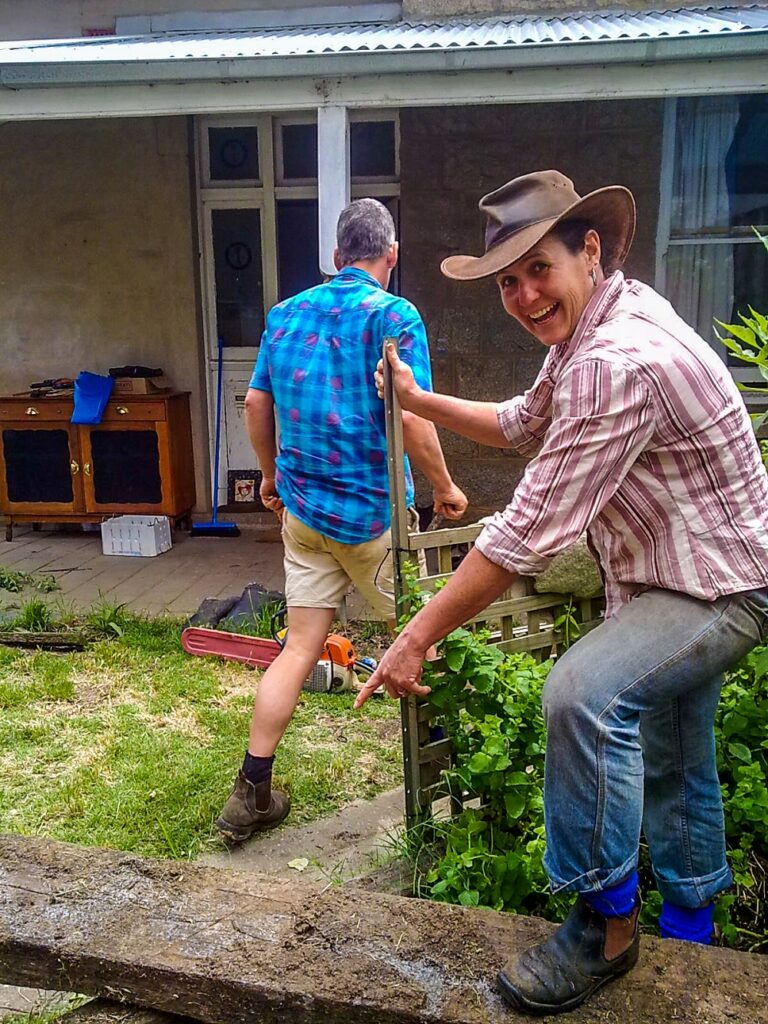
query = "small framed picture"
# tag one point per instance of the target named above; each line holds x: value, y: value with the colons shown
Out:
x: 243, y: 486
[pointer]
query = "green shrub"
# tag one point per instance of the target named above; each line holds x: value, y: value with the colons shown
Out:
x: 492, y: 855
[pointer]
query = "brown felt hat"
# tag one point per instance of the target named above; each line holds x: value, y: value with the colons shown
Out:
x: 521, y: 212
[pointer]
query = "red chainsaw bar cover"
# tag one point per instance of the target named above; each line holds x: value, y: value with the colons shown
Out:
x: 250, y: 650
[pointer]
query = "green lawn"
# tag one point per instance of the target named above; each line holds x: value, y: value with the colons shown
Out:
x: 134, y: 744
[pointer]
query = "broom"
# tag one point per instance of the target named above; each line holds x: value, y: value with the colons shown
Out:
x: 213, y: 528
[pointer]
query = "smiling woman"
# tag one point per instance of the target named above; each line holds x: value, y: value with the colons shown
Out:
x: 640, y: 438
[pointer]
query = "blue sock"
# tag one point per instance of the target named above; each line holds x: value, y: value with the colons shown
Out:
x: 617, y: 900
x: 691, y: 924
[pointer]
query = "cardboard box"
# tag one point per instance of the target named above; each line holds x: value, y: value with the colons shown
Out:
x: 139, y: 385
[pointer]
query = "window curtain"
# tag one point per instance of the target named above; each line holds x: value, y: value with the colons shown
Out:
x: 700, y: 279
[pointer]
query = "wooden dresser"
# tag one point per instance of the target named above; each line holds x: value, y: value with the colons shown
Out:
x: 138, y: 460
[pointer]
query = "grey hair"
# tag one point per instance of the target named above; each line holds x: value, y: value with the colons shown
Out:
x: 365, y: 231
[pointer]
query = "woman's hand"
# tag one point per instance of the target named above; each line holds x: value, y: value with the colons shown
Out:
x: 399, y: 672
x: 405, y: 385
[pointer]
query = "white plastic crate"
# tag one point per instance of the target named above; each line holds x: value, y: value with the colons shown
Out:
x: 136, y: 535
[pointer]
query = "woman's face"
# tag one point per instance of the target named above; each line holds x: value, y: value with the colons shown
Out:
x: 546, y: 291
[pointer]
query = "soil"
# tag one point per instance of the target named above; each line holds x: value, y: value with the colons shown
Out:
x: 239, y: 948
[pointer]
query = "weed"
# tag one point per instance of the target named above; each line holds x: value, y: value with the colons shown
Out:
x: 34, y: 616
x: 107, y: 619
x: 15, y: 580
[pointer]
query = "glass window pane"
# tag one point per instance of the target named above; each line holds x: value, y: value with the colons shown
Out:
x: 234, y: 154
x: 297, y: 246
x: 299, y: 151
x: 717, y: 280
x: 720, y: 177
x: 239, y: 284
x: 372, y: 149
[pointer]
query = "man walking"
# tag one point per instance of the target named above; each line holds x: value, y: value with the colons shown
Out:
x: 314, y: 374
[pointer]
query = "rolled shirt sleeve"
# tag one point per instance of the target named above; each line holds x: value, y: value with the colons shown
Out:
x: 602, y: 419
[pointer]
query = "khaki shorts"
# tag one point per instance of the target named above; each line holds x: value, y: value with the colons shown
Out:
x: 318, y: 570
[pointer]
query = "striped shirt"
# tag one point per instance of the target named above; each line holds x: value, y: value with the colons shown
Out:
x: 640, y: 437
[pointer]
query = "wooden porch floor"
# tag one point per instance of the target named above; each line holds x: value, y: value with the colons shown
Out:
x: 172, y: 583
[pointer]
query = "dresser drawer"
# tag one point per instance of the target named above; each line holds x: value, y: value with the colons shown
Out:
x: 131, y: 411
x: 29, y: 409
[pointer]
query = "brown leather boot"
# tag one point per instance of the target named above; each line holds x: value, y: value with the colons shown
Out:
x: 251, y: 808
x: 585, y: 952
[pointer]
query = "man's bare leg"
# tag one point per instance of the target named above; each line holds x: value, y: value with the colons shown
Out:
x: 253, y: 804
x: 281, y: 684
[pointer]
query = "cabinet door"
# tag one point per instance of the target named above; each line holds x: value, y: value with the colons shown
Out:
x: 40, y: 468
x: 125, y: 467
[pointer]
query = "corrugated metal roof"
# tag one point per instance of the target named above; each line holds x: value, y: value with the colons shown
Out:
x: 456, y: 35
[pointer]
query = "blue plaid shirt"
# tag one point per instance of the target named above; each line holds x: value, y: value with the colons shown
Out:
x: 317, y: 358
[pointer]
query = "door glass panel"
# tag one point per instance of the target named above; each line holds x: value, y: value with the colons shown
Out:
x: 37, y: 465
x: 299, y: 151
x: 372, y: 149
x: 238, y: 273
x: 126, y: 467
x: 234, y: 154
x: 297, y: 246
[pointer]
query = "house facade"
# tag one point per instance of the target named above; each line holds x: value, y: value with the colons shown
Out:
x: 169, y: 170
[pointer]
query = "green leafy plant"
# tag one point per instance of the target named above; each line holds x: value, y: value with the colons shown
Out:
x: 15, y: 580
x: 35, y: 616
x: 107, y: 620
x: 748, y: 341
x: 491, y: 854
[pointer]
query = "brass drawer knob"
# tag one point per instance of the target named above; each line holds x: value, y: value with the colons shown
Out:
x: 32, y: 411
x: 122, y: 410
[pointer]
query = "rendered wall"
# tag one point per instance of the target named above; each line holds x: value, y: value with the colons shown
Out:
x: 440, y: 9
x: 44, y: 19
x: 449, y: 158
x: 97, y: 260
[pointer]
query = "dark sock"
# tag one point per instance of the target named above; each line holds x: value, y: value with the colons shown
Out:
x: 257, y: 769
x: 691, y: 924
x: 616, y: 900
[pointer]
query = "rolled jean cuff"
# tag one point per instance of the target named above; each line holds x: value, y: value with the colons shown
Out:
x: 594, y: 880
x: 695, y: 892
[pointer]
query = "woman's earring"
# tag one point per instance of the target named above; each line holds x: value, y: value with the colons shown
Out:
x: 594, y: 276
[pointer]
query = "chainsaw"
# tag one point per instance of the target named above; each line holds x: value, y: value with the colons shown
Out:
x: 336, y: 671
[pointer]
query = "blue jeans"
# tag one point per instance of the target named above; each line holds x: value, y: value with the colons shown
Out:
x: 630, y: 743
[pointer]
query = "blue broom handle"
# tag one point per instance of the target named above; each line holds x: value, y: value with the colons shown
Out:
x: 219, y: 386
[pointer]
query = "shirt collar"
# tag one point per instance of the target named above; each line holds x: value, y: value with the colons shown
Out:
x: 602, y: 301
x: 357, y: 274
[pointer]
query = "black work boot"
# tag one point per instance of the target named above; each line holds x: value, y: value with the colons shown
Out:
x: 251, y: 808
x: 585, y: 952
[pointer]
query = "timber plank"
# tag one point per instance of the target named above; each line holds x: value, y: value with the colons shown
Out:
x: 234, y: 948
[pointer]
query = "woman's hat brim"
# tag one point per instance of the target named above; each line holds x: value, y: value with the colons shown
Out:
x: 611, y: 210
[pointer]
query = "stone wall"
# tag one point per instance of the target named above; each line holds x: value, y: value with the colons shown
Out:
x: 97, y: 259
x: 42, y: 19
x: 450, y: 157
x: 442, y: 9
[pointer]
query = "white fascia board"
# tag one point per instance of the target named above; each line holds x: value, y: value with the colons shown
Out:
x: 532, y: 85
x: 213, y: 21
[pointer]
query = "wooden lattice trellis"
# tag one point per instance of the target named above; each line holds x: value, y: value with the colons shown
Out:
x: 521, y: 620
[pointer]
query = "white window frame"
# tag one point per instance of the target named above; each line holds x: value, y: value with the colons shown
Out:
x: 665, y: 239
